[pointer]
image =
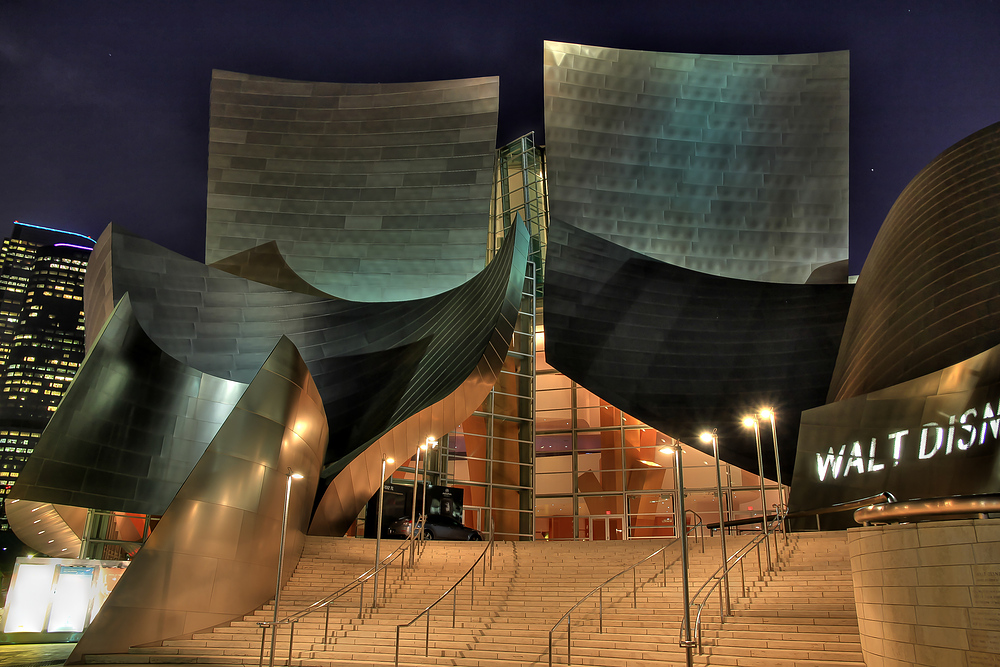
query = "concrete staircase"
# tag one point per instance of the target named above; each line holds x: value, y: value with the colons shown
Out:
x: 802, y: 615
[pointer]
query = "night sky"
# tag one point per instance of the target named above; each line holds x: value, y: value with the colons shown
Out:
x: 104, y: 105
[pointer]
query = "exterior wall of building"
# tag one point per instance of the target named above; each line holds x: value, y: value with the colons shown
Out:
x: 926, y: 593
x: 926, y: 296
x: 731, y: 165
x: 373, y: 192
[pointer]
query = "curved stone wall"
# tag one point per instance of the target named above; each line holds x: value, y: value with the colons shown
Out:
x: 926, y: 593
x: 684, y: 351
x: 731, y: 165
x: 373, y: 192
x: 926, y: 297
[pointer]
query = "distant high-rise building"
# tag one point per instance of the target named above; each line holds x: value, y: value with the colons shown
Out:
x: 41, y: 335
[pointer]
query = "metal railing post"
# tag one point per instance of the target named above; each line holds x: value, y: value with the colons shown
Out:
x: 635, y: 593
x: 427, y: 635
x: 326, y: 626
x: 600, y: 613
x: 263, y: 639
x: 569, y: 649
x: 291, y: 634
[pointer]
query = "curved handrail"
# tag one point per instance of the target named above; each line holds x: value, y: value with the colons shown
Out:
x: 324, y: 603
x: 700, y: 525
x: 600, y: 588
x: 720, y: 575
x: 927, y: 508
x: 454, y: 591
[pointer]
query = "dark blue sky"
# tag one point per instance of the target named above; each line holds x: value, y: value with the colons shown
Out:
x: 104, y: 105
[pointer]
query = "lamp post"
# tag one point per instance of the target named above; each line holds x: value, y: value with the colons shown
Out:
x: 281, y: 558
x: 749, y: 421
x: 768, y: 413
x: 432, y: 443
x: 687, y: 644
x: 378, y: 527
x: 413, y: 509
x: 713, y: 437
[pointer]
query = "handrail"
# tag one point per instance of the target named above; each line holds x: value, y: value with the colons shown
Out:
x: 928, y: 508
x: 324, y: 603
x: 600, y: 588
x: 454, y: 600
x: 700, y: 525
x: 722, y: 574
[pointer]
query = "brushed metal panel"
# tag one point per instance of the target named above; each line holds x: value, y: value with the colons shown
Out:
x: 317, y: 182
x: 926, y: 295
x: 125, y: 437
x: 184, y: 576
x: 641, y: 143
x: 684, y: 351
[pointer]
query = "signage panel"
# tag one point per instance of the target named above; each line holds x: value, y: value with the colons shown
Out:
x: 931, y: 437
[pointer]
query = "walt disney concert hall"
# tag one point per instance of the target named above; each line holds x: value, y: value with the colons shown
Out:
x: 640, y: 336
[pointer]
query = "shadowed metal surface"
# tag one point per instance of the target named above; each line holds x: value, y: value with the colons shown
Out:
x: 373, y: 192
x: 684, y: 351
x: 130, y: 428
x: 375, y: 364
x: 927, y: 295
x: 735, y: 166
x: 214, y: 553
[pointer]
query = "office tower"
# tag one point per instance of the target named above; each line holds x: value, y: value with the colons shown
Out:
x: 41, y: 335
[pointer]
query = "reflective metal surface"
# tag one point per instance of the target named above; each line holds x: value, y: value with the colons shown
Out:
x: 684, y: 351
x: 735, y: 166
x: 53, y: 530
x: 372, y: 192
x: 356, y: 478
x: 926, y: 297
x: 130, y: 428
x: 214, y: 553
x: 937, y: 508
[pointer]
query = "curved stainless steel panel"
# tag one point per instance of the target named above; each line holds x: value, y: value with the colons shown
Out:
x: 684, y: 351
x: 53, y: 530
x: 130, y: 428
x: 214, y: 554
x: 735, y: 166
x: 372, y: 192
x: 375, y: 364
x: 926, y: 297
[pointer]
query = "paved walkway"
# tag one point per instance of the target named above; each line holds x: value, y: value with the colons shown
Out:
x: 22, y: 655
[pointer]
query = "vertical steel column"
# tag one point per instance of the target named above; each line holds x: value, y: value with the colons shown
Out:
x: 281, y: 560
x: 378, y: 529
x: 763, y: 498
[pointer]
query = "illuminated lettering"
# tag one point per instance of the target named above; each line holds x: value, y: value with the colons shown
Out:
x: 962, y: 443
x: 832, y: 461
x: 992, y: 420
x: 854, y: 460
x: 897, y: 445
x: 938, y: 440
x: 872, y: 466
x: 951, y: 435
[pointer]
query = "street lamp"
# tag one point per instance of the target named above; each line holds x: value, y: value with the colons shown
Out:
x: 378, y: 527
x: 281, y: 558
x: 768, y: 413
x: 413, y: 509
x: 687, y: 642
x: 432, y: 443
x: 750, y: 421
x: 713, y: 438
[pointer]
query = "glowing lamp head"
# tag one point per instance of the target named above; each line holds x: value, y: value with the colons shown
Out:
x: 766, y: 413
x: 706, y: 437
x: 423, y: 447
x: 297, y: 475
x: 390, y: 461
x: 749, y: 421
x: 667, y: 450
